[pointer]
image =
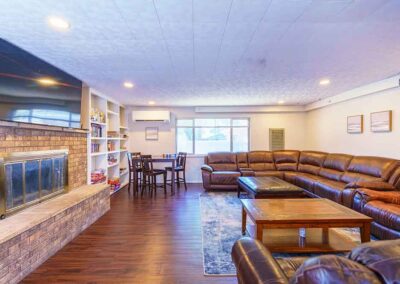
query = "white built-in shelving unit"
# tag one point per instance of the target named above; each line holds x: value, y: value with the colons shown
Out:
x: 109, y: 118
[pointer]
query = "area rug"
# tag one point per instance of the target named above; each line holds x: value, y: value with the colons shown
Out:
x: 221, y: 222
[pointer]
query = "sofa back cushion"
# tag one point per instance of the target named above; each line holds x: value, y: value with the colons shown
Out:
x: 395, y: 178
x: 286, y: 160
x: 261, y: 161
x: 334, y: 166
x: 382, y: 257
x: 311, y: 162
x: 333, y: 269
x: 369, y: 168
x: 222, y: 161
x: 242, y: 160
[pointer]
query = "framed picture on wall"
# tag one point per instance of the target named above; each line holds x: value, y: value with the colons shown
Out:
x: 355, y: 124
x: 151, y: 133
x: 381, y: 121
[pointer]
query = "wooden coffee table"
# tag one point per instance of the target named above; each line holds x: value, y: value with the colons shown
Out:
x: 282, y: 219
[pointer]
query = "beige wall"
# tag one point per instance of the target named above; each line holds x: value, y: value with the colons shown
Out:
x: 294, y: 123
x: 326, y: 127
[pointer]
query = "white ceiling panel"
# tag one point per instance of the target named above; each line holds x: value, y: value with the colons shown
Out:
x: 220, y: 52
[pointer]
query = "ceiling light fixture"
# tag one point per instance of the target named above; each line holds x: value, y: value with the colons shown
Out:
x: 324, y: 82
x: 281, y: 102
x: 58, y: 23
x: 47, y: 81
x: 152, y: 103
x: 128, y: 85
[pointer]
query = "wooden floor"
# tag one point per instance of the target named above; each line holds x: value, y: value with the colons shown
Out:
x: 140, y: 240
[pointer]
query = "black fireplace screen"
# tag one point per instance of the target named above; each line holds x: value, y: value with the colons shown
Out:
x: 28, y: 178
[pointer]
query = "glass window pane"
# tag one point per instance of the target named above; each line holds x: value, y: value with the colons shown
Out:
x: 184, y: 140
x: 184, y: 122
x: 207, y: 122
x: 240, y: 139
x: 212, y: 139
x: 240, y: 122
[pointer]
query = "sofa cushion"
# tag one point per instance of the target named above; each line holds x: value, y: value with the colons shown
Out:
x: 224, y: 177
x: 261, y: 161
x: 334, y: 166
x: 365, y: 168
x: 333, y: 269
x: 222, y: 161
x: 381, y: 257
x: 290, y: 176
x: 286, y: 160
x: 277, y: 174
x: 311, y: 162
x: 386, y: 214
x: 307, y: 181
x: 330, y: 189
x: 241, y: 159
x: 395, y: 178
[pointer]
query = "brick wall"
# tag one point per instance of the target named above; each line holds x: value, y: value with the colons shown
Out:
x: 23, y: 253
x: 18, y: 139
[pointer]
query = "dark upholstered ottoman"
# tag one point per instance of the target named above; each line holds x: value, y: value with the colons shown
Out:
x: 268, y: 187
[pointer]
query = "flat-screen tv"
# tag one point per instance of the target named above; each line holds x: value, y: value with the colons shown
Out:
x: 34, y: 91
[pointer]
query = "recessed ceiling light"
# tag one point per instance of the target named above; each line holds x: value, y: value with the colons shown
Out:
x: 152, y: 102
x: 47, y: 81
x: 58, y: 23
x: 281, y: 102
x: 128, y: 85
x: 324, y: 82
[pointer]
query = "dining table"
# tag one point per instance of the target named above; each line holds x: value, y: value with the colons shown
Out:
x: 166, y: 159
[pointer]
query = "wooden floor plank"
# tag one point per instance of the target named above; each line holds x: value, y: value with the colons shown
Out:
x: 140, y: 240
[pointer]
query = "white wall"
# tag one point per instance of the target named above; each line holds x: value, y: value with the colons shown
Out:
x: 326, y: 127
x: 294, y: 123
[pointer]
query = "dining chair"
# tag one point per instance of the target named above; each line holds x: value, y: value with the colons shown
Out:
x: 150, y: 174
x: 180, y: 166
x: 135, y: 171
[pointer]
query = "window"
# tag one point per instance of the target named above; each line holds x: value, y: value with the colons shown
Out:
x: 203, y: 135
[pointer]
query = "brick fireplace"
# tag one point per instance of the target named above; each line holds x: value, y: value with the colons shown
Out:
x: 30, y: 236
x: 15, y: 137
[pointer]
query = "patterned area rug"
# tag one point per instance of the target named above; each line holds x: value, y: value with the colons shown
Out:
x: 221, y: 221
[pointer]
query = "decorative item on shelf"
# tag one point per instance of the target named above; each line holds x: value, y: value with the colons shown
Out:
x: 124, y: 136
x: 111, y: 160
x: 122, y: 170
x: 114, y: 183
x: 110, y: 146
x: 355, y: 124
x: 95, y: 147
x: 112, y: 134
x: 96, y: 131
x: 381, y: 121
x: 97, y: 116
x: 97, y: 176
x: 152, y: 133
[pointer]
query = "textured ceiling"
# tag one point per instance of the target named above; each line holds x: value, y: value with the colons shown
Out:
x: 213, y: 52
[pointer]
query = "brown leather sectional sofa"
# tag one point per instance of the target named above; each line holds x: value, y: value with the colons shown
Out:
x: 370, y: 185
x: 374, y: 262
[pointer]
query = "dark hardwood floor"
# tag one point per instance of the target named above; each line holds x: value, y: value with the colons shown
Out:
x: 140, y: 240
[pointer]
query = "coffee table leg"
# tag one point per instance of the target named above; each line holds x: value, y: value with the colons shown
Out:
x: 259, y: 232
x: 244, y: 217
x: 365, y: 232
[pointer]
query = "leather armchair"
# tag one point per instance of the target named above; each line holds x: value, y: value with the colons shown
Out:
x: 374, y: 262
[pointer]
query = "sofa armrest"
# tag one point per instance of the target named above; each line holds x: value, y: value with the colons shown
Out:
x: 385, y: 196
x: 374, y: 185
x: 255, y: 264
x: 246, y: 172
x: 207, y: 168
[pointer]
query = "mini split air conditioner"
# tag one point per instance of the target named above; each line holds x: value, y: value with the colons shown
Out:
x: 153, y: 115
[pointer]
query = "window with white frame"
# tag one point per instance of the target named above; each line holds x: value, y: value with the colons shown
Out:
x: 204, y: 135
